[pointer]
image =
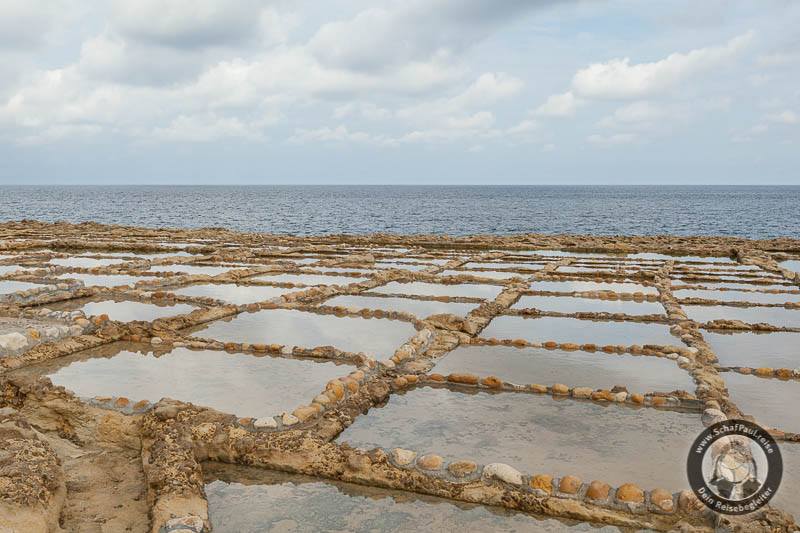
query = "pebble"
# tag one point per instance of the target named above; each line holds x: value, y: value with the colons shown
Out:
x: 289, y: 419
x: 569, y: 484
x: 598, y: 490
x: 662, y: 500
x: 543, y: 482
x: 265, y: 422
x: 403, y: 457
x: 630, y: 493
x: 503, y: 472
x: 430, y: 462
x: 462, y: 468
x: 712, y: 416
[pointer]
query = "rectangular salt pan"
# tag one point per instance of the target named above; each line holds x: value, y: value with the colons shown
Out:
x: 492, y: 274
x: 776, y: 316
x: 578, y: 331
x: 535, y: 434
x: 125, y: 310
x: 191, y: 269
x: 310, y: 279
x: 567, y: 304
x: 84, y: 262
x: 377, y: 337
x: 418, y: 308
x: 523, y: 366
x: 753, y: 349
x: 773, y: 402
x: 232, y: 293
x: 239, y: 384
x: 111, y: 280
x: 419, y: 288
x: 588, y: 286
x: 9, y: 287
x: 249, y: 499
x: 737, y: 296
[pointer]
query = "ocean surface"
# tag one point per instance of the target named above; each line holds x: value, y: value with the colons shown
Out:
x: 756, y: 212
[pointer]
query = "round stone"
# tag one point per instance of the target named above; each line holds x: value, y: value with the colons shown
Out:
x: 542, y: 482
x: 569, y: 485
x: 560, y: 388
x: 468, y: 379
x: 430, y: 462
x: 598, y: 490
x: 493, y: 382
x: 265, y: 423
x: 503, y: 472
x: 630, y: 493
x: 403, y: 457
x: 462, y: 468
x: 662, y: 500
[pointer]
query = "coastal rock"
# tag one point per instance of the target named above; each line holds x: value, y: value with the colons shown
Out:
x: 503, y: 472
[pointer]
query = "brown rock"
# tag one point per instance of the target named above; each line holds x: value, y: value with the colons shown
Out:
x: 400, y: 382
x: 462, y: 468
x: 630, y: 493
x: 260, y: 347
x: 469, y: 379
x: 598, y: 490
x: 122, y: 402
x: 550, y: 345
x: 535, y: 387
x: 493, y: 382
x: 637, y: 398
x: 560, y: 388
x: 356, y: 461
x: 662, y: 500
x: 337, y: 388
x: 569, y: 485
x: 436, y: 377
x: 763, y: 371
x: 430, y: 462
x: 306, y: 412
x: 784, y: 373
x: 589, y: 347
x: 569, y: 347
x: 542, y: 482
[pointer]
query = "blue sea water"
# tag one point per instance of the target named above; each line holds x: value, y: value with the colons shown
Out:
x: 756, y: 212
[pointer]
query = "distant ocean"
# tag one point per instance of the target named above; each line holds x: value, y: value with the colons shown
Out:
x: 756, y: 212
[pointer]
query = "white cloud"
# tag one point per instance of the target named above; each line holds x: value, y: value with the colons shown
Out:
x: 559, y: 105
x: 619, y: 79
x: 785, y: 117
x: 187, y: 23
x: 612, y: 140
x: 208, y: 127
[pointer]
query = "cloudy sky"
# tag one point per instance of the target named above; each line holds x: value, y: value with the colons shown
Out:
x: 407, y: 91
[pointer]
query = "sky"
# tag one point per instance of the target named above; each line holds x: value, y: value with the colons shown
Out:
x: 399, y: 92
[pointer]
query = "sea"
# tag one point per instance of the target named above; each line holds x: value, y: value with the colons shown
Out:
x: 744, y: 211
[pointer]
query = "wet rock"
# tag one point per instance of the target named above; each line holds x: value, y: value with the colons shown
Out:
x: 543, y: 482
x: 403, y: 457
x: 266, y: 422
x: 185, y: 523
x: 289, y: 419
x: 430, y: 462
x: 468, y: 379
x: 582, y: 392
x: 662, y: 500
x: 492, y: 382
x: 598, y: 490
x: 569, y: 485
x: 462, y: 468
x: 503, y: 472
x: 560, y: 389
x: 630, y: 493
x: 712, y: 416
